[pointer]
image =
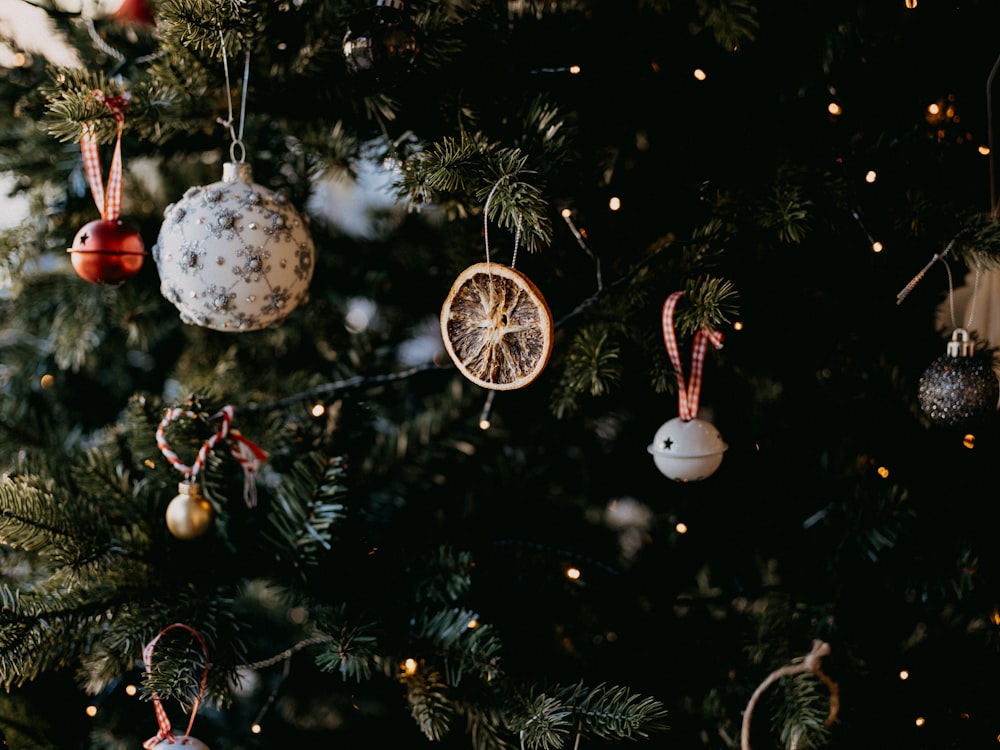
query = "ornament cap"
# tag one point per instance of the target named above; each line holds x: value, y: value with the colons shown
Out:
x: 960, y: 345
x: 187, y: 487
x: 237, y: 171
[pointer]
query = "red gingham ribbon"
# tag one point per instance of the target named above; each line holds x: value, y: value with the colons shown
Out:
x: 690, y: 393
x: 249, y: 455
x: 162, y: 720
x: 109, y: 203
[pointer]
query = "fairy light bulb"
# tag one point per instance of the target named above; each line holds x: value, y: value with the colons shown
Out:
x: 131, y: 690
x: 574, y: 70
x: 410, y: 666
x: 877, y: 247
x: 871, y: 176
x: 91, y: 711
x: 834, y: 109
x: 911, y: 4
x: 573, y: 573
x: 681, y: 528
x: 256, y: 728
x: 699, y: 74
x: 969, y: 441
x: 904, y: 674
x: 318, y: 410
x: 615, y: 203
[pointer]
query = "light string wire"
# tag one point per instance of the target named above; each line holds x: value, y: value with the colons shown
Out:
x: 237, y: 145
x: 110, y: 51
x: 994, y: 211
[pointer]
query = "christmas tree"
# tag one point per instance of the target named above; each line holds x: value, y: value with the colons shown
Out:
x: 516, y: 374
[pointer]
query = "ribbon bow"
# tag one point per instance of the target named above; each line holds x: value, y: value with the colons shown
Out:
x: 688, y: 393
x: 162, y: 720
x: 249, y: 455
x: 109, y: 202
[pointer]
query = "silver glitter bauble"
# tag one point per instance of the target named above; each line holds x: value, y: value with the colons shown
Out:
x: 687, y: 450
x: 958, y: 387
x: 180, y: 743
x: 234, y: 255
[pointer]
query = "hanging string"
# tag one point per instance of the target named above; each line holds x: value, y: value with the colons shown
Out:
x: 486, y: 225
x: 809, y: 663
x: 109, y: 201
x: 688, y: 393
x: 237, y: 145
x: 249, y: 455
x: 164, y: 729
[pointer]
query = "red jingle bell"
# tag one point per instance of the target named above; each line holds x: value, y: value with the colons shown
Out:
x: 107, y: 252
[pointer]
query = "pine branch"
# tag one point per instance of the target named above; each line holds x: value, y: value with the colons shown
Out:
x: 463, y: 643
x: 350, y: 649
x: 732, y: 22
x: 460, y: 174
x: 211, y: 27
x: 446, y: 576
x: 429, y: 702
x: 545, y: 720
x: 305, y: 508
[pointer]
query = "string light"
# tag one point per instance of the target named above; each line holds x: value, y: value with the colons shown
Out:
x: 904, y: 674
x: 318, y: 410
x: 91, y: 711
x: 410, y: 666
x: 911, y: 4
x: 473, y: 624
x: 681, y: 528
x: 131, y: 690
x: 256, y: 728
x: 700, y: 74
x: 877, y: 247
x: 834, y: 109
x: 920, y: 721
x: 871, y: 176
x: 984, y: 150
x: 573, y: 573
x: 738, y: 325
x: 615, y: 203
x: 484, y: 415
x: 574, y: 70
x: 969, y: 441
x: 882, y: 472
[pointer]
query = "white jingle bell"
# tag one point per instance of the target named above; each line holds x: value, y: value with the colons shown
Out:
x: 687, y: 451
x: 180, y: 743
x: 234, y: 255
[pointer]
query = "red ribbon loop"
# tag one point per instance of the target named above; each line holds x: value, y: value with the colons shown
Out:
x: 162, y: 720
x: 109, y: 202
x: 688, y: 393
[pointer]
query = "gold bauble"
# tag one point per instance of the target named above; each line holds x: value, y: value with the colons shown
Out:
x: 189, y: 514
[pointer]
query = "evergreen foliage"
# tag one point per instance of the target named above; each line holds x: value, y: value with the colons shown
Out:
x: 422, y: 562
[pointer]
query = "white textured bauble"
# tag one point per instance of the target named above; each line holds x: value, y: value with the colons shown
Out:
x: 687, y: 451
x: 181, y: 743
x: 234, y: 255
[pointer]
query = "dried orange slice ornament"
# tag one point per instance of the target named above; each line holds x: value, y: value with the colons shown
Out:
x: 497, y: 327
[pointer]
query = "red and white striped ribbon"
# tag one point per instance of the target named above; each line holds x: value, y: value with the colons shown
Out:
x: 688, y: 393
x: 249, y: 455
x: 109, y: 202
x: 164, y: 729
